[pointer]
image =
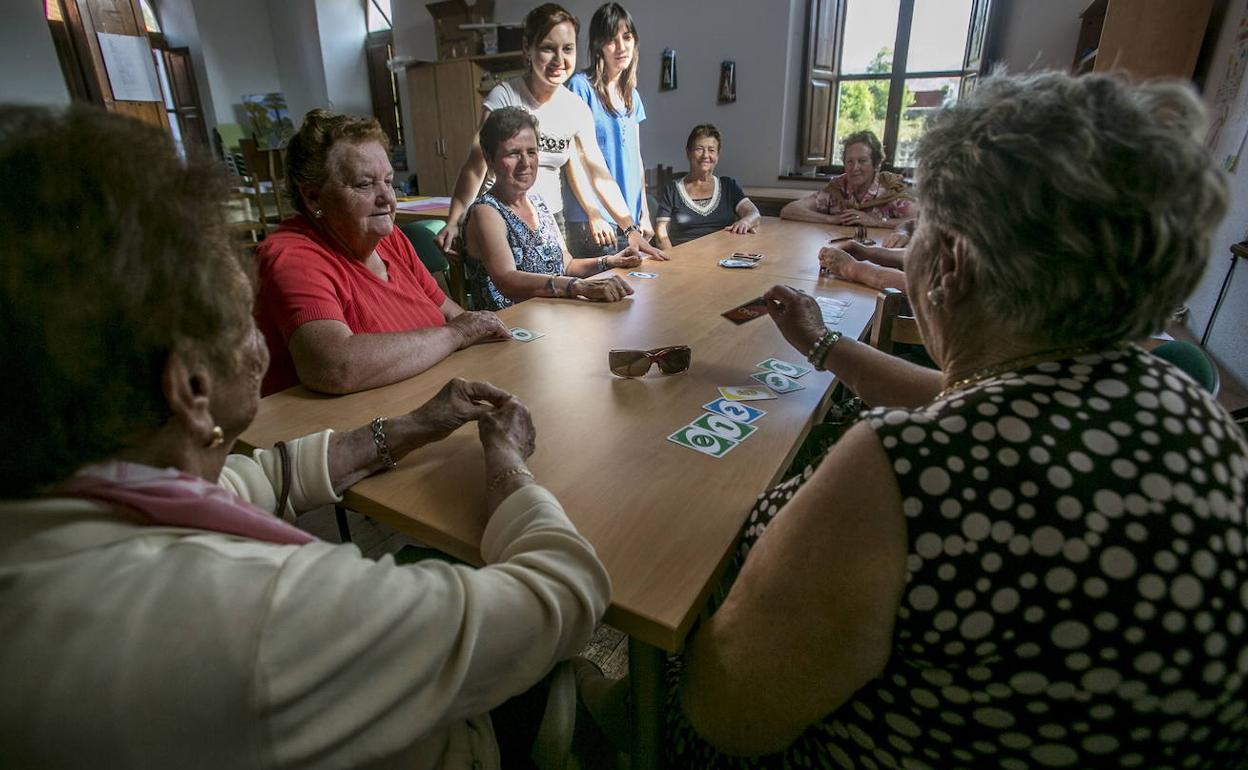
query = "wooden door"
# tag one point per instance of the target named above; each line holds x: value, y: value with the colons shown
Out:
x: 460, y: 108
x: 185, y: 94
x: 422, y: 91
x: 85, y: 19
x: 819, y: 92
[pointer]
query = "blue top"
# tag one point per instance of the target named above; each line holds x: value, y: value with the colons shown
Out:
x: 535, y: 251
x: 617, y: 137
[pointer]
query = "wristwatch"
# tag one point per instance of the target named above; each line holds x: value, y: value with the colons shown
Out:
x: 633, y: 228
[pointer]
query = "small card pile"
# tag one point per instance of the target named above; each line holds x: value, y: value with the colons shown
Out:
x: 742, y: 259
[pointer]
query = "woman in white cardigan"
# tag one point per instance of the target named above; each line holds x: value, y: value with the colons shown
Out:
x: 156, y: 612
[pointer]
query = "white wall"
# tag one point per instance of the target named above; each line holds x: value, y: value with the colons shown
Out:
x: 297, y: 50
x: 763, y: 38
x: 1039, y: 34
x: 1227, y: 341
x: 237, y: 43
x: 343, y: 27
x: 29, y: 69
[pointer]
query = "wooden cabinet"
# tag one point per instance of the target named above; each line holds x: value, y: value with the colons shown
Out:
x: 1142, y: 38
x: 445, y: 100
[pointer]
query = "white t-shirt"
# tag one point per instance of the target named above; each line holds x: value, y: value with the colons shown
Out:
x: 559, y: 121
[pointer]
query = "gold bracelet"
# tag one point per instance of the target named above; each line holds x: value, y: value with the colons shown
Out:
x: 502, y: 476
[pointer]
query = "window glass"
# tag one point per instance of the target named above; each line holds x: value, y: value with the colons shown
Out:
x: 379, y: 15
x: 861, y: 105
x: 919, y: 99
x: 870, y: 27
x: 938, y: 35
x: 149, y: 17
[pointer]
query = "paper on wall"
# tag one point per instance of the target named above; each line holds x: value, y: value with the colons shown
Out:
x: 131, y: 69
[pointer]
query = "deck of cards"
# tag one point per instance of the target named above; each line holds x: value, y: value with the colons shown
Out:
x: 741, y: 259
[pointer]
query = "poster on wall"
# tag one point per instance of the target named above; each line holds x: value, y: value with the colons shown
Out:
x: 1228, y: 113
x: 667, y: 81
x: 727, y: 82
x: 131, y: 69
x: 269, y: 118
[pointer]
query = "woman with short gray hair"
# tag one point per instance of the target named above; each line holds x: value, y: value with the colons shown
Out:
x: 1034, y: 556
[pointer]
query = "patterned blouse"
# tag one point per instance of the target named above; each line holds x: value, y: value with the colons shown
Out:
x: 1077, y: 580
x: 888, y: 196
x: 536, y: 251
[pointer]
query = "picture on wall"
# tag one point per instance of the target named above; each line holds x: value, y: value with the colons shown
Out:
x: 727, y: 82
x: 269, y: 119
x: 667, y: 82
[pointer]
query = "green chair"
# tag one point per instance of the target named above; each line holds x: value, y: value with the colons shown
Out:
x: 421, y: 234
x: 1191, y: 359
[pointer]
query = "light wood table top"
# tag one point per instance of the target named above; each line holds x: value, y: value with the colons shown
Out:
x: 402, y: 216
x: 662, y: 517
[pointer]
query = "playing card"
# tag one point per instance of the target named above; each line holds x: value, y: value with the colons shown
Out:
x: 735, y: 262
x: 747, y: 311
x: 730, y: 429
x: 752, y: 256
x: 639, y: 274
x: 702, y: 440
x: 778, y: 382
x: 734, y: 411
x: 783, y: 367
x: 832, y: 310
x: 745, y: 393
x: 524, y: 335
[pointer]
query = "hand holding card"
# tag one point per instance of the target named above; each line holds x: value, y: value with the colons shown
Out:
x: 747, y: 311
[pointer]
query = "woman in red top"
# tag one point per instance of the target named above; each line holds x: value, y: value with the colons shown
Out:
x: 345, y: 304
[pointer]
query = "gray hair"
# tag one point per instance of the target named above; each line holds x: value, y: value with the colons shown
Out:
x: 112, y: 254
x: 1087, y: 204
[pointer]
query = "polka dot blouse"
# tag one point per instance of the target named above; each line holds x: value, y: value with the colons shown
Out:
x: 1077, y: 579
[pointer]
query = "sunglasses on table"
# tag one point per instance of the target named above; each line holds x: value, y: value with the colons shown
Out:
x: 673, y: 359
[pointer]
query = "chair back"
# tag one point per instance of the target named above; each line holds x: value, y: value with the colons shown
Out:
x: 268, y: 169
x: 1191, y: 359
x: 448, y: 273
x: 889, y: 326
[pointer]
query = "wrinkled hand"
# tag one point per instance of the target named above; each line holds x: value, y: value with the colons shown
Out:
x: 475, y: 326
x: 611, y: 289
x: 853, y: 217
x: 797, y: 316
x: 741, y: 227
x: 629, y: 257
x: 896, y: 240
x: 445, y: 239
x: 458, y: 402
x: 642, y: 244
x: 507, y: 433
x: 834, y: 260
x: 602, y: 230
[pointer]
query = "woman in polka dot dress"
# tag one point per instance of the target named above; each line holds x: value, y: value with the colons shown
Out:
x: 1034, y: 557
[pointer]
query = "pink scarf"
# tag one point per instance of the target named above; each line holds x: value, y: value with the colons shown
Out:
x: 169, y: 497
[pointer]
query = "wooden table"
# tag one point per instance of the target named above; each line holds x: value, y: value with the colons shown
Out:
x: 663, y: 518
x: 403, y: 217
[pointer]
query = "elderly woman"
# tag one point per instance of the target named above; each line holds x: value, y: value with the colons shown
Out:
x: 156, y: 612
x: 1035, y: 556
x: 345, y: 304
x: 514, y: 249
x: 700, y: 203
x: 567, y: 141
x: 863, y: 195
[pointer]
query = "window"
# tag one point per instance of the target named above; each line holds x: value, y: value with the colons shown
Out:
x: 378, y: 12
x: 885, y: 65
x: 382, y: 82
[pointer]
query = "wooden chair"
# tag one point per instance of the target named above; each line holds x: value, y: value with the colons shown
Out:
x: 888, y: 326
x: 245, y: 215
x: 267, y: 169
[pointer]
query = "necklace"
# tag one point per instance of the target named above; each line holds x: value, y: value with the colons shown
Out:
x: 1022, y: 362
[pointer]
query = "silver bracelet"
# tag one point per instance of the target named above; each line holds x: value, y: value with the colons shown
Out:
x: 819, y: 352
x: 379, y: 440
x: 602, y: 264
x: 567, y: 290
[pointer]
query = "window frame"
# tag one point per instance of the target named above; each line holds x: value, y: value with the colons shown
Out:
x: 817, y: 127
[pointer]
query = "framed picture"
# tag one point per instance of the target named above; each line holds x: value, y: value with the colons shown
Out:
x: 270, y: 119
x: 727, y: 82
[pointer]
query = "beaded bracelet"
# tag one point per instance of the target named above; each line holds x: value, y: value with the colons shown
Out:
x: 602, y: 264
x: 502, y: 476
x: 379, y: 439
x: 820, y: 350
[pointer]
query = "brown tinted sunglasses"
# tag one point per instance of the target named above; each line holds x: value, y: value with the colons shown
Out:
x: 673, y: 359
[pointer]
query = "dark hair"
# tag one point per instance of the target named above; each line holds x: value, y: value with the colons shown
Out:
x: 308, y: 151
x: 602, y: 28
x: 502, y: 124
x: 542, y: 19
x: 869, y: 139
x: 701, y: 130
x: 112, y: 253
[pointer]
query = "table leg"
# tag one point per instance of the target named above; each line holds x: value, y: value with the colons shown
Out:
x: 645, y: 672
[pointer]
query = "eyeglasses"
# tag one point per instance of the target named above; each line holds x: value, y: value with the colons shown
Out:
x: 673, y: 359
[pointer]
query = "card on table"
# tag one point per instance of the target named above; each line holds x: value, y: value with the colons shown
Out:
x: 747, y: 311
x: 783, y: 367
x: 752, y: 256
x: 746, y: 393
x: 734, y: 411
x: 832, y: 310
x: 524, y: 335
x: 639, y: 274
x: 778, y: 382
x: 702, y: 440
x: 721, y: 425
x: 737, y: 262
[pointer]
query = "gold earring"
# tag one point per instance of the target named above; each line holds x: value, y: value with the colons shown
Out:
x: 936, y: 296
x: 218, y: 437
x: 318, y: 213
